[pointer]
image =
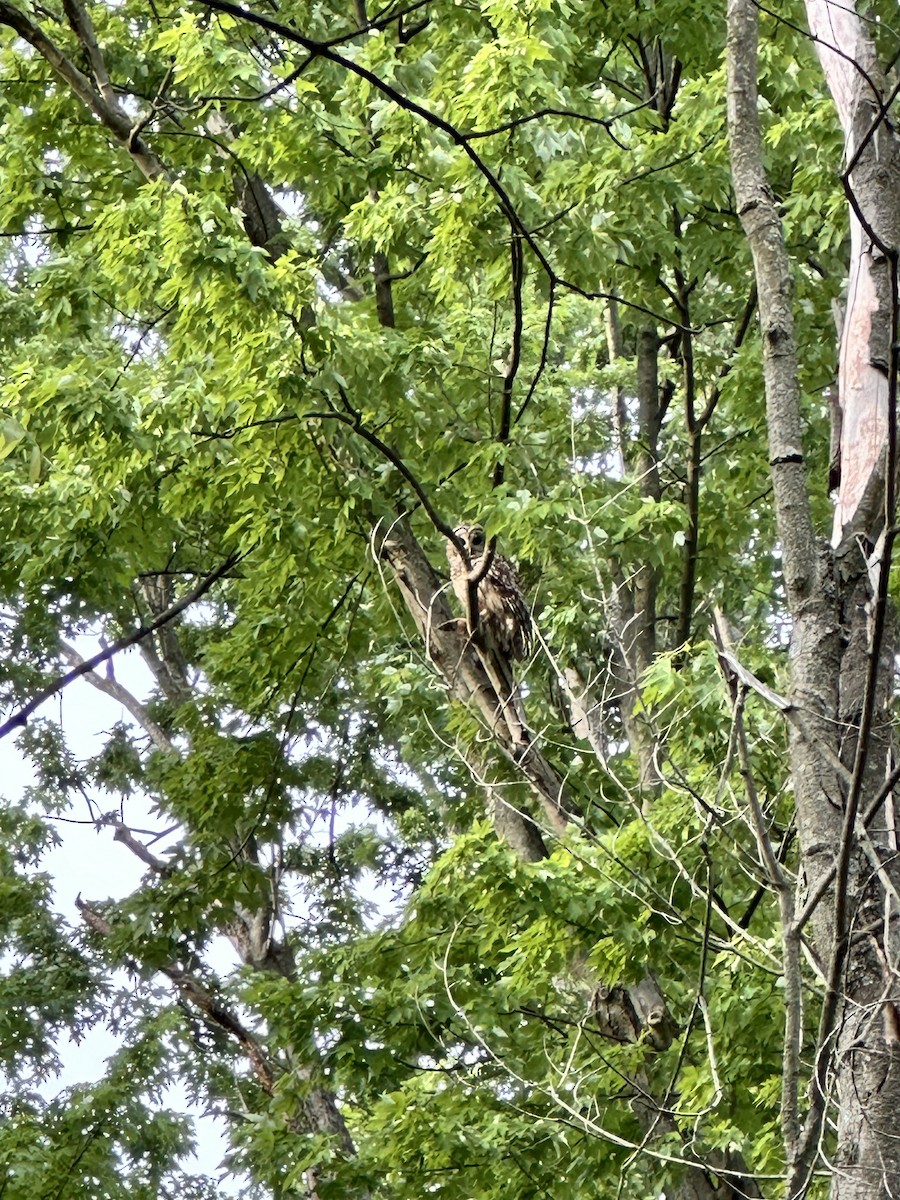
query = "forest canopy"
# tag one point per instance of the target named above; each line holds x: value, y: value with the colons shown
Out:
x: 293, y: 297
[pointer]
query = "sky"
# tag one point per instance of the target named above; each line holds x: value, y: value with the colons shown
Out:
x: 90, y: 863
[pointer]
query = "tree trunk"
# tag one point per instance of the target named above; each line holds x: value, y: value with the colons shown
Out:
x: 841, y: 676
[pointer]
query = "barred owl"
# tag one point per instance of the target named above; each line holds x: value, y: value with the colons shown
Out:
x: 501, y: 606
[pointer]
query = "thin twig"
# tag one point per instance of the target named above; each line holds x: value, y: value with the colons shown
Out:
x: 545, y: 350
x: 517, y: 273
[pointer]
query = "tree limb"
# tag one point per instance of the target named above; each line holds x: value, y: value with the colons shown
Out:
x: 108, y: 111
x: 116, y: 691
x: 86, y: 666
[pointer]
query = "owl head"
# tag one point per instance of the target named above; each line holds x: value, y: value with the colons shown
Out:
x: 472, y: 537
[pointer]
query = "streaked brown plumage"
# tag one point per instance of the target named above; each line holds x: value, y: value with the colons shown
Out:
x: 502, y: 610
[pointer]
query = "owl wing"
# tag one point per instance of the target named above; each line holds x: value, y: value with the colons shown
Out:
x: 505, y: 609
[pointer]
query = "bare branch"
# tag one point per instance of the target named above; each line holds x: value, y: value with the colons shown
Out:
x: 20, y: 718
x: 124, y: 835
x: 198, y: 996
x: 517, y: 274
x: 117, y: 691
x: 80, y: 20
x: 572, y: 114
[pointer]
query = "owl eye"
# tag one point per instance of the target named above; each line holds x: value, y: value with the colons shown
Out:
x: 477, y: 540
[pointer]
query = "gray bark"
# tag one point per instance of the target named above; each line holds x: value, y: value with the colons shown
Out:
x: 631, y: 610
x: 95, y: 94
x: 841, y: 671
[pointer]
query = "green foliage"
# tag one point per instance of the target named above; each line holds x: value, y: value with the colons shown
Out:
x: 103, y: 1141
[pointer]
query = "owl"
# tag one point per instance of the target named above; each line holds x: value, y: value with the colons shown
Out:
x: 502, y: 610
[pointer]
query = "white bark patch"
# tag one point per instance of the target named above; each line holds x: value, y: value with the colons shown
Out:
x: 848, y: 60
x: 837, y: 28
x: 863, y: 389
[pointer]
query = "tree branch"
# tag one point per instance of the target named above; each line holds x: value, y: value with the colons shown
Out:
x: 124, y: 835
x: 83, y: 27
x: 109, y: 113
x: 199, y: 997
x: 393, y: 457
x: 517, y: 274
x: 112, y: 688
x: 86, y: 666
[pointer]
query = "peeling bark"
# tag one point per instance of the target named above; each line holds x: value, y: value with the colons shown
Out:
x: 872, y: 154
